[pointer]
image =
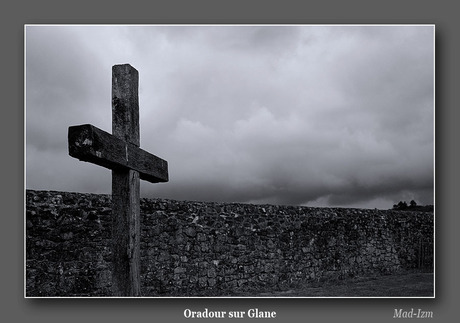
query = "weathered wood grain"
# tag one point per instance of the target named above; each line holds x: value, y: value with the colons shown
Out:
x: 120, y: 152
x: 126, y: 233
x: 91, y: 144
x: 125, y: 103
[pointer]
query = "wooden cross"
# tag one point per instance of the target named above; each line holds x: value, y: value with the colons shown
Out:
x: 120, y: 152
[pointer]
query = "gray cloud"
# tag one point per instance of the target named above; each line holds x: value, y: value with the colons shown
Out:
x: 310, y: 115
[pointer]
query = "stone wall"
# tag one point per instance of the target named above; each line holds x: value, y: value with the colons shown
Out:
x: 216, y: 249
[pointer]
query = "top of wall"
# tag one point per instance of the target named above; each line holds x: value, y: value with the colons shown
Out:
x: 61, y: 197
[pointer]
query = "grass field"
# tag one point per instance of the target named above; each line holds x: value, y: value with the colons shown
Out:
x: 408, y: 284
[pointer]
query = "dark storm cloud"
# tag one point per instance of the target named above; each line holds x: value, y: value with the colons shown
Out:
x: 62, y: 89
x: 313, y: 115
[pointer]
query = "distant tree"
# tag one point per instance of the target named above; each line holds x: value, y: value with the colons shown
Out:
x: 402, y: 205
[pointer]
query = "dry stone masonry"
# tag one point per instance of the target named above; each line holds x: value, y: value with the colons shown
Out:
x: 216, y: 249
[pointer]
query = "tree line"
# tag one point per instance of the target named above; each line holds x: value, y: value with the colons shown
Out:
x: 402, y: 206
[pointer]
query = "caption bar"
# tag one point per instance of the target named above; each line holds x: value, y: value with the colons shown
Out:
x: 253, y: 313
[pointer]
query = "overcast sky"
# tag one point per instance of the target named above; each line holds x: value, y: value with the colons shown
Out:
x: 300, y: 115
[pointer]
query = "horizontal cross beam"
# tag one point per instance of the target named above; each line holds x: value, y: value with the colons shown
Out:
x: 91, y: 144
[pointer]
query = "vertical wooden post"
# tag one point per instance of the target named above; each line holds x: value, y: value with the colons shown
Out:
x: 121, y: 153
x: 125, y: 185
